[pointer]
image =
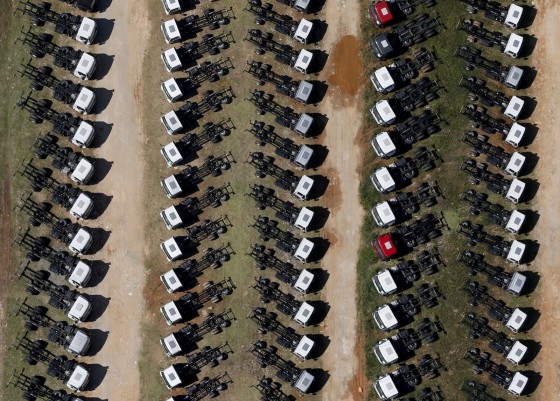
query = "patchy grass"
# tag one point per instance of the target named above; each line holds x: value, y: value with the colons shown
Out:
x: 241, y: 366
x: 454, y: 342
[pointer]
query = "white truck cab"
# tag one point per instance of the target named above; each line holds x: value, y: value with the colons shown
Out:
x: 80, y: 275
x: 170, y: 31
x: 303, y: 92
x: 513, y: 45
x: 383, y: 113
x: 383, y: 215
x: 304, y: 347
x: 303, y: 61
x: 513, y: 77
x: 382, y: 80
x: 171, y: 281
x: 303, y: 124
x: 385, y: 318
x: 385, y: 352
x: 303, y: 157
x: 80, y: 309
x: 516, y: 252
x: 170, y: 345
x: 84, y: 101
x: 85, y: 67
x: 171, y: 218
x: 515, y: 164
x: 81, y: 241
x: 87, y: 31
x: 515, y: 135
x: 82, y: 207
x: 171, y: 249
x: 515, y: 222
x: 383, y: 181
x: 303, y: 187
x: 385, y: 388
x: 79, y: 379
x: 84, y: 135
x: 171, y: 313
x: 303, y: 31
x: 517, y: 353
x: 516, y: 284
x: 516, y: 320
x: 79, y: 344
x: 304, y: 219
x: 304, y: 281
x: 383, y: 145
x: 171, y: 90
x: 171, y: 60
x: 304, y: 250
x: 171, y: 6
x: 171, y: 187
x: 304, y: 313
x: 513, y: 16
x: 172, y: 123
x: 171, y: 377
x: 171, y: 154
x: 514, y: 108
x: 83, y: 171
x: 304, y: 381
x: 518, y: 384
x: 384, y: 282
x: 515, y: 191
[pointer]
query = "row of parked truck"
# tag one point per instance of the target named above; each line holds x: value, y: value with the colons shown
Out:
x: 407, y: 88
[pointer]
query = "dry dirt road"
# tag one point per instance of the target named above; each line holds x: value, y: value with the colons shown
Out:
x: 546, y: 145
x: 124, y: 250
x: 342, y: 106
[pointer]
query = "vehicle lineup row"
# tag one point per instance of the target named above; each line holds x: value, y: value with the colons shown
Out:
x: 197, y: 60
x: 406, y: 88
x: 58, y: 206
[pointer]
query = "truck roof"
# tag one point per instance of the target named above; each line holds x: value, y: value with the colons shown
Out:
x: 514, y: 107
x: 304, y: 280
x: 171, y: 153
x: 85, y: 66
x: 172, y: 216
x: 515, y: 221
x: 388, y: 387
x: 83, y: 171
x: 513, y: 16
x: 303, y: 30
x: 304, y: 249
x: 304, y: 347
x: 171, y: 344
x: 172, y: 185
x: 515, y: 190
x: 382, y: 45
x: 304, y: 218
x: 385, y: 143
x: 387, y: 351
x: 303, y: 124
x: 516, y: 320
x: 513, y: 45
x: 171, y: 248
x: 387, y: 246
x: 385, y: 111
x: 80, y: 274
x: 384, y: 77
x: 304, y: 187
x: 171, y: 377
x: 80, y: 309
x: 304, y: 313
x: 302, y: 4
x: 383, y: 12
x: 171, y: 281
x: 385, y: 212
x: 304, y: 381
x: 87, y: 30
x: 303, y: 60
x: 172, y: 6
x: 515, y: 135
x: 170, y: 31
x: 514, y: 76
x: 303, y: 156
x: 387, y: 281
x: 80, y: 343
x: 384, y: 178
x: 517, y: 283
x: 517, y: 352
x: 518, y: 383
x: 171, y: 313
x: 516, y: 251
x: 387, y: 316
x: 515, y: 164
x: 171, y: 59
x: 84, y: 101
x: 304, y: 91
x: 83, y: 135
x: 81, y: 241
x: 81, y: 206
x: 172, y: 121
x: 171, y: 89
x: 78, y: 379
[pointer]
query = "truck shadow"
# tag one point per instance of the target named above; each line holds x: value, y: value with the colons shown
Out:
x: 319, y: 281
x: 533, y: 316
x: 102, y: 131
x: 531, y: 251
x: 100, y: 204
x: 320, y: 249
x: 104, y: 64
x: 531, y: 160
x: 320, y: 89
x: 531, y: 219
x: 322, y: 342
x: 103, y: 5
x: 319, y: 30
x: 97, y: 374
x: 320, y: 58
x: 533, y: 349
x: 101, y: 169
x: 534, y: 381
x: 99, y: 270
x: 99, y: 305
x: 319, y: 186
x: 320, y: 217
x: 533, y: 279
x: 100, y: 237
x: 102, y: 98
x: 98, y: 340
x: 321, y: 310
x: 104, y: 29
x: 321, y: 378
x: 320, y: 153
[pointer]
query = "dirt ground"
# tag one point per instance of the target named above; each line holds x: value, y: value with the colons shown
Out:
x: 546, y: 145
x: 343, y: 109
x: 123, y: 218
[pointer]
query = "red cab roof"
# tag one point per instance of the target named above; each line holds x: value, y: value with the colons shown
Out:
x: 387, y: 246
x: 383, y: 12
